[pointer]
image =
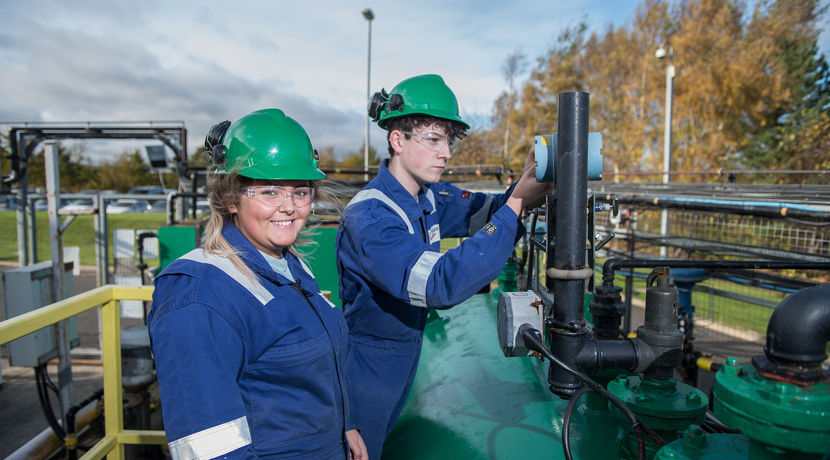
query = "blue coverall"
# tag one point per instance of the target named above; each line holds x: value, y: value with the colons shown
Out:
x: 392, y: 271
x: 248, y: 369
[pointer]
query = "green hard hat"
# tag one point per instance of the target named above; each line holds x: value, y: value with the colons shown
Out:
x: 267, y: 144
x: 421, y: 95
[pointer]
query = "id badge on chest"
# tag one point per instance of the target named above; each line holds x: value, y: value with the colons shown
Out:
x: 434, y: 234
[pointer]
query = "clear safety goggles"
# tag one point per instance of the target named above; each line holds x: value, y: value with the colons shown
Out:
x: 433, y: 141
x: 275, y: 195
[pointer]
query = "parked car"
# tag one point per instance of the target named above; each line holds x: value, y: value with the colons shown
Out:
x: 158, y: 206
x: 203, y: 207
x: 146, y: 190
x: 79, y: 206
x: 128, y: 205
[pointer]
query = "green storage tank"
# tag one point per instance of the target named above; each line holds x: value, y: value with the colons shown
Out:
x: 470, y: 402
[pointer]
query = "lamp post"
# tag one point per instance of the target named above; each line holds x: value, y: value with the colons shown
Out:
x: 367, y: 13
x: 661, y: 54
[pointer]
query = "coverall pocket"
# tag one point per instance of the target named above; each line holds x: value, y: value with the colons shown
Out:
x: 294, y: 393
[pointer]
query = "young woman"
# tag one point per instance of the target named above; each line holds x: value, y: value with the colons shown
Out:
x: 249, y: 353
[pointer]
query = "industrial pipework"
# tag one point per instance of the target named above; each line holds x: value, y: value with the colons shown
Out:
x: 638, y: 372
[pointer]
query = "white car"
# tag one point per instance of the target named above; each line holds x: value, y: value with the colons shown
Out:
x: 79, y: 206
x: 128, y: 205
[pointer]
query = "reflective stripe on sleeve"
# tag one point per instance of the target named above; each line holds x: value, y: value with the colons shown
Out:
x: 212, y: 442
x: 478, y: 219
x: 418, y: 278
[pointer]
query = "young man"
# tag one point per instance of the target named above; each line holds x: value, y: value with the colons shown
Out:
x: 388, y: 247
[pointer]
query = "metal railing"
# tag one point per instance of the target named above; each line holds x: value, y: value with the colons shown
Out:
x: 107, y: 297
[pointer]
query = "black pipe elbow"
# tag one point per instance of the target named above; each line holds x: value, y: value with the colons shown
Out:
x: 609, y: 268
x: 799, y: 327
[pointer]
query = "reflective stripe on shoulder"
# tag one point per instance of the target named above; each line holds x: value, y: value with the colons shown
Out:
x: 305, y: 267
x: 478, y: 219
x: 430, y: 197
x: 375, y: 194
x: 419, y: 276
x: 212, y: 442
x: 224, y: 264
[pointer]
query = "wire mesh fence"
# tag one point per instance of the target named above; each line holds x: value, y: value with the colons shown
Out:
x: 731, y: 310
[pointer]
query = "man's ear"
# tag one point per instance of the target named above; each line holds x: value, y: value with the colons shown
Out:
x: 233, y: 209
x: 396, y: 141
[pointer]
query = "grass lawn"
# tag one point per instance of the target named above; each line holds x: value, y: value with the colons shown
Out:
x: 79, y: 233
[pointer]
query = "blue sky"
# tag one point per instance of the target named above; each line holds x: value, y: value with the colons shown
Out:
x: 206, y: 61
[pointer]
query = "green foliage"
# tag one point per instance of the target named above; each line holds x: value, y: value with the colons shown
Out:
x: 798, y: 135
x: 74, y: 168
x: 5, y: 164
x: 356, y: 159
x: 126, y: 171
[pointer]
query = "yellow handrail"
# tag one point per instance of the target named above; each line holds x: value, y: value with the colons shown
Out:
x: 112, y: 445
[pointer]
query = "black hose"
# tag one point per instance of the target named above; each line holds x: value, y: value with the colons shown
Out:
x: 566, y: 422
x: 45, y: 404
x: 533, y: 340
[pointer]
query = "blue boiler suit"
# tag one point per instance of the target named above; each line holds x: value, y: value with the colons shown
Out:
x: 245, y: 369
x: 392, y: 272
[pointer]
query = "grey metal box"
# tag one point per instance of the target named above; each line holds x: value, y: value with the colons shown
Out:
x: 29, y: 288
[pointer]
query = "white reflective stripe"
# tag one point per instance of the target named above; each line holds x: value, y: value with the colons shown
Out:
x: 224, y: 264
x: 305, y: 267
x: 478, y: 219
x: 212, y: 442
x: 431, y: 197
x: 372, y: 193
x: 419, y: 276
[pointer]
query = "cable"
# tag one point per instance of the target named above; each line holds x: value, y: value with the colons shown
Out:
x: 713, y: 425
x: 45, y: 404
x: 533, y: 340
x: 566, y: 422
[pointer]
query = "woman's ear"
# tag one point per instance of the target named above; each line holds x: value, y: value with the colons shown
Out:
x: 396, y: 141
x: 233, y: 209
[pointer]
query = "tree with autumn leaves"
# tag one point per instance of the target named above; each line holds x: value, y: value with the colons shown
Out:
x: 751, y: 90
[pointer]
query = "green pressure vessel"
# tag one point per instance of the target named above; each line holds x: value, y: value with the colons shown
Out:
x: 470, y: 402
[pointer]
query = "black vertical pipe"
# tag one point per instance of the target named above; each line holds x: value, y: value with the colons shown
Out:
x: 571, y: 192
x: 569, y: 239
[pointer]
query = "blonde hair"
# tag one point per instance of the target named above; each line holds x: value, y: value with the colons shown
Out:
x: 225, y: 192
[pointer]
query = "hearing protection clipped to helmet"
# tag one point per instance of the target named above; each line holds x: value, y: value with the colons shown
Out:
x: 383, y: 102
x: 214, y: 150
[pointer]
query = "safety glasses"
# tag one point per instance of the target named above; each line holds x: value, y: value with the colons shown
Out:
x: 433, y: 141
x: 275, y: 196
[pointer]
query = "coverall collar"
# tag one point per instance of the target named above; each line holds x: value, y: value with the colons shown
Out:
x: 256, y: 262
x: 388, y: 184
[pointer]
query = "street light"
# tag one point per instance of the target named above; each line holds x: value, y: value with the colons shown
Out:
x: 661, y: 54
x: 367, y: 13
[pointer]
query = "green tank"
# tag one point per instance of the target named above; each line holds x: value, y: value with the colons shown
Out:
x: 470, y: 402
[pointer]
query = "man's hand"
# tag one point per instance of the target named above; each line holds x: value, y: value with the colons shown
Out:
x: 357, y: 449
x: 528, y: 191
